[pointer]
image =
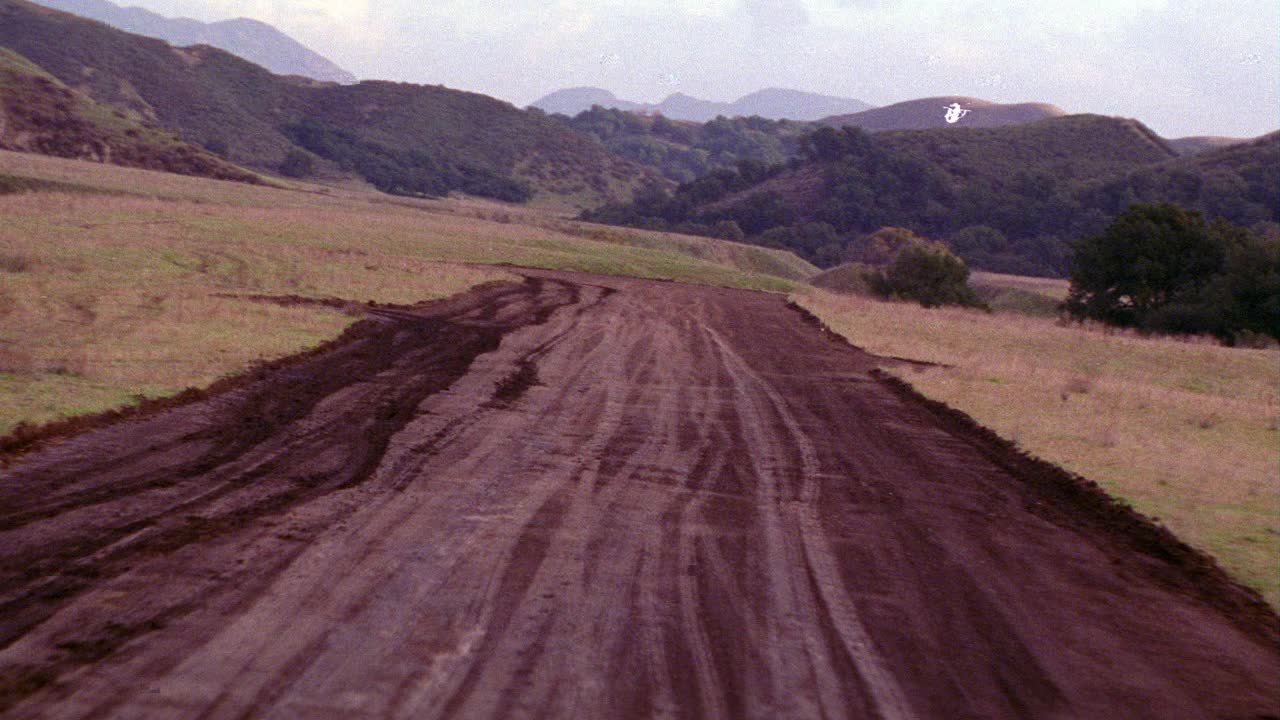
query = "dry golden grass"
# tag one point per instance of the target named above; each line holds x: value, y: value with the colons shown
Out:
x: 107, y: 297
x: 121, y: 297
x: 1185, y: 431
x: 1052, y: 288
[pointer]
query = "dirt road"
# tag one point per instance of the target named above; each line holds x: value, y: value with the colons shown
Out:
x: 595, y: 498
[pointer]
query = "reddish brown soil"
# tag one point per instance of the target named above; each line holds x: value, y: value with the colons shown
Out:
x: 595, y: 498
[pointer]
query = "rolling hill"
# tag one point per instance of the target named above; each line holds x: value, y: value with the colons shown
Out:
x: 40, y: 114
x: 252, y: 40
x: 1070, y: 147
x: 1200, y: 143
x: 402, y: 138
x: 929, y: 113
x: 682, y: 150
x: 770, y: 103
x: 1007, y: 199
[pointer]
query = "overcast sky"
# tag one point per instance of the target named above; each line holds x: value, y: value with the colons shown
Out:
x: 1195, y: 67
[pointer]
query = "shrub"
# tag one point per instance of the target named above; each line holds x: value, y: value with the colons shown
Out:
x: 927, y: 273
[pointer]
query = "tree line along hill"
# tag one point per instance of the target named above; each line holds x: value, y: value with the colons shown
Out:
x: 1008, y: 199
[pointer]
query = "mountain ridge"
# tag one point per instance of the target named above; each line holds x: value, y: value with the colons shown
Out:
x: 400, y: 137
x: 770, y: 103
x: 253, y: 40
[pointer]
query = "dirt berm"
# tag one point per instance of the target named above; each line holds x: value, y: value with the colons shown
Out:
x: 581, y: 497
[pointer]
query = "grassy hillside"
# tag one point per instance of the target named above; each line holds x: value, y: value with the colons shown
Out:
x: 40, y: 114
x: 1184, y: 431
x: 118, y: 283
x: 930, y: 112
x: 1074, y: 147
x: 403, y: 138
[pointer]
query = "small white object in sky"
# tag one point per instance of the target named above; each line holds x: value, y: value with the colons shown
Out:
x: 954, y: 112
x: 670, y: 80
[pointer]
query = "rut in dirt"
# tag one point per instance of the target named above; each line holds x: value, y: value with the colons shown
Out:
x: 595, y: 497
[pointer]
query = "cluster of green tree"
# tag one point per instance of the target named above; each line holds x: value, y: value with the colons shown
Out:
x: 393, y: 170
x: 686, y: 151
x: 1163, y: 268
x: 1015, y: 213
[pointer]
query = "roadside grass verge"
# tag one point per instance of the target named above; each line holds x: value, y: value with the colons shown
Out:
x: 1025, y: 295
x: 126, y: 287
x: 1185, y: 431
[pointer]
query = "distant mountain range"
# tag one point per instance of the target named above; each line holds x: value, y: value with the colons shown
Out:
x: 927, y: 113
x: 252, y: 40
x: 771, y: 103
x: 399, y: 137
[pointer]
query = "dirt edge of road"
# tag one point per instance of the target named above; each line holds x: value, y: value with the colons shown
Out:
x: 1069, y: 499
x: 1057, y: 494
x: 25, y: 437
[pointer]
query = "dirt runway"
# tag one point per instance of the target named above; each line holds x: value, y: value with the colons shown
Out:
x: 581, y: 497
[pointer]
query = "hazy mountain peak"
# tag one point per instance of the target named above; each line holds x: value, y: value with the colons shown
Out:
x: 253, y: 40
x: 772, y: 103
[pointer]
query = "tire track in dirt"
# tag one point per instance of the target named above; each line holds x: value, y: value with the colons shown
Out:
x: 587, y: 497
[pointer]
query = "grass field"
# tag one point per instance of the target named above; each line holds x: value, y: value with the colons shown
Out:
x: 1184, y: 431
x: 117, y: 284
x: 114, y: 282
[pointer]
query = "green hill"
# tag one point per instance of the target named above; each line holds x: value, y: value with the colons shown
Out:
x: 1007, y: 199
x: 40, y: 114
x: 402, y: 138
x: 682, y: 150
x: 1072, y: 147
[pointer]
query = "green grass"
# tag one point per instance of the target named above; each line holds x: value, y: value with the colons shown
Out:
x: 1184, y: 431
x: 115, y: 280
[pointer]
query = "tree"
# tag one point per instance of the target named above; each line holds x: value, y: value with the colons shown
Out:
x: 1149, y: 257
x: 928, y: 273
x: 1245, y: 296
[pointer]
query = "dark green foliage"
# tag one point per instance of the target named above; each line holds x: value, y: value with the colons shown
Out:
x: 927, y: 273
x: 685, y: 151
x: 403, y: 172
x: 728, y: 230
x: 1006, y: 199
x: 1160, y: 267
